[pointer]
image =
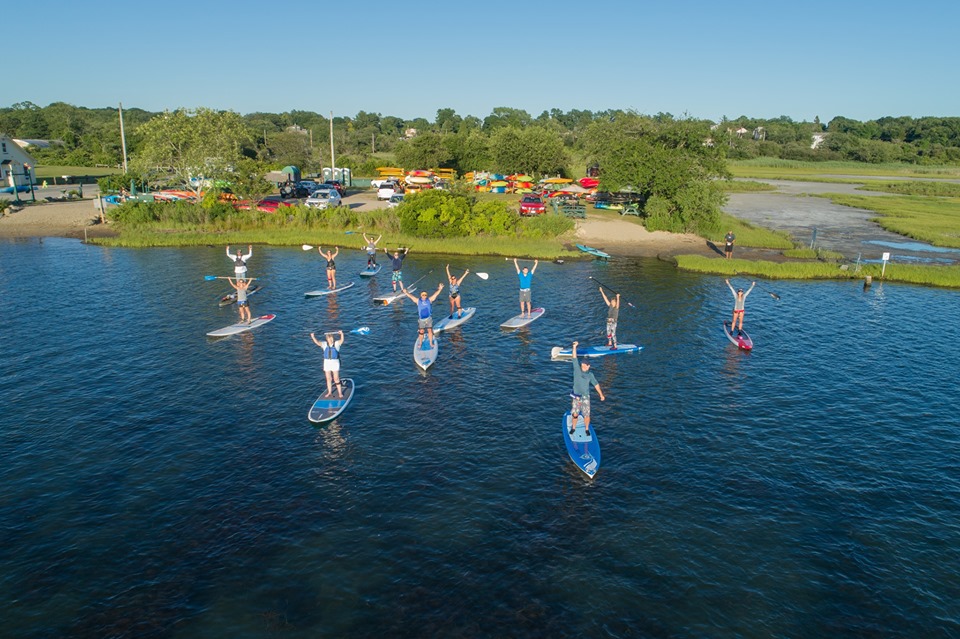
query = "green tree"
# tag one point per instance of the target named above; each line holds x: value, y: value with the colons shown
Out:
x: 426, y: 150
x: 186, y: 144
x: 535, y: 149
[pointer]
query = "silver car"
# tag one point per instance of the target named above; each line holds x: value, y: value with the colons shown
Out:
x: 323, y: 198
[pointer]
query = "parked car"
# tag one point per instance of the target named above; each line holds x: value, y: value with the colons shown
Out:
x: 309, y: 185
x: 324, y: 197
x: 293, y: 190
x: 395, y: 200
x: 337, y: 185
x: 388, y: 189
x: 532, y: 205
x: 265, y: 205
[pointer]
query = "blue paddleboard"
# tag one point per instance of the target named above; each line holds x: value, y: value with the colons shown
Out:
x: 584, y: 450
x: 595, y: 351
x: 326, y: 408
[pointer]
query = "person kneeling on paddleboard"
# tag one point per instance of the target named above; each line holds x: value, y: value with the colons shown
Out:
x: 424, y: 308
x: 331, y: 266
x: 371, y: 247
x: 397, y: 263
x: 241, y: 285
x: 613, y: 312
x: 739, y: 299
x: 455, y: 292
x: 582, y: 380
x: 331, y: 361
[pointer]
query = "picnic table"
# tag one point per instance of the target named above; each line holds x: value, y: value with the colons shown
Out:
x: 573, y: 210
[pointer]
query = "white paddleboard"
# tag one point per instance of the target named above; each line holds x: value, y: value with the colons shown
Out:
x: 387, y: 298
x: 595, y: 351
x: 326, y: 408
x: 370, y: 272
x: 327, y: 291
x: 452, y: 321
x: 522, y: 320
x: 423, y: 355
x: 241, y: 327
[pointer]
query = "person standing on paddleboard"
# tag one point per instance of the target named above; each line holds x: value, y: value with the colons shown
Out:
x: 240, y: 261
x: 728, y: 244
x: 371, y: 250
x: 331, y: 266
x: 455, y: 292
x: 424, y: 311
x: 331, y: 361
x: 241, y: 285
x: 582, y: 380
x: 397, y: 263
x: 739, y: 299
x: 526, y: 279
x: 613, y: 313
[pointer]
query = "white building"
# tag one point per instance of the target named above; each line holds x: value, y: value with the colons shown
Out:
x: 16, y: 165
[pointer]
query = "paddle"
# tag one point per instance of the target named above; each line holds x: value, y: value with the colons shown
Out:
x: 362, y: 330
x: 210, y: 278
x: 421, y: 277
x: 764, y: 289
x: 608, y: 288
x: 482, y: 276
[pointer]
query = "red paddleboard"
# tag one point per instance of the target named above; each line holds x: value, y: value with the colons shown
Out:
x: 739, y: 339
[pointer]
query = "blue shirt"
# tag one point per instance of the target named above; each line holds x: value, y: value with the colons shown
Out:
x: 423, y: 305
x: 525, y: 280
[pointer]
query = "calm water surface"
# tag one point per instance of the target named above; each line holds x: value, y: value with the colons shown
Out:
x: 156, y: 483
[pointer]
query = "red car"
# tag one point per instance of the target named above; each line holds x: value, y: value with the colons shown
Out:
x: 266, y: 206
x: 532, y: 205
x: 337, y: 185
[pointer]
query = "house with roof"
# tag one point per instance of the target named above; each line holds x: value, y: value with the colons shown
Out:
x: 16, y: 165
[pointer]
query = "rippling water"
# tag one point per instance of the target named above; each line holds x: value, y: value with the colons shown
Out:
x: 159, y: 484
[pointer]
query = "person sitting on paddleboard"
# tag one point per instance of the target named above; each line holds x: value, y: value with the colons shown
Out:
x: 371, y: 250
x: 331, y: 266
x: 582, y: 380
x: 241, y: 285
x: 739, y: 298
x: 240, y: 261
x: 397, y: 263
x: 613, y: 312
x: 424, y: 309
x: 331, y: 360
x: 455, y: 292
x: 526, y: 279
x: 728, y: 247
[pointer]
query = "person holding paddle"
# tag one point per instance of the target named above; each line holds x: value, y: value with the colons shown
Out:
x: 331, y: 360
x: 371, y: 248
x: 455, y: 291
x: 526, y: 279
x: 739, y: 299
x: 613, y: 312
x: 397, y: 264
x: 582, y: 380
x: 331, y: 266
x: 240, y: 260
x: 424, y: 311
x: 241, y: 285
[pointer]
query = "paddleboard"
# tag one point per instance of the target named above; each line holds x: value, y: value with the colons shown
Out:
x: 370, y: 272
x: 327, y: 291
x: 241, y: 327
x: 522, y: 320
x: 595, y: 351
x: 592, y: 251
x: 583, y: 449
x: 447, y: 323
x: 326, y: 408
x: 423, y: 355
x: 387, y: 298
x: 742, y: 340
x: 231, y: 298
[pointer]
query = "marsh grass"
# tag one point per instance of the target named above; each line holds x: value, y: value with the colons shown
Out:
x: 935, y: 220
x: 942, y: 276
x: 812, y: 254
x: 744, y: 186
x: 775, y: 168
x: 924, y: 188
x: 750, y: 235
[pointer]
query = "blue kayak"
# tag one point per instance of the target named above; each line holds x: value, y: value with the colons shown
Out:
x: 584, y: 449
x: 595, y: 351
x: 592, y: 251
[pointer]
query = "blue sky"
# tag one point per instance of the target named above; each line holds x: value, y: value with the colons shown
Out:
x: 705, y: 59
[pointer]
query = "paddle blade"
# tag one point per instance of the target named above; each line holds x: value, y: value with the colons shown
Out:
x: 775, y: 296
x: 209, y: 277
x: 555, y: 352
x: 363, y: 330
x: 307, y: 247
x: 483, y: 276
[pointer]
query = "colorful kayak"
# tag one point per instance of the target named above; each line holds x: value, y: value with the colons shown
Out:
x: 518, y: 321
x: 453, y: 321
x: 592, y: 251
x: 387, y: 298
x: 370, y: 272
x: 584, y: 449
x: 594, y: 351
x: 327, y: 291
x: 423, y: 354
x: 241, y: 327
x: 231, y: 298
x: 741, y: 339
x: 327, y: 408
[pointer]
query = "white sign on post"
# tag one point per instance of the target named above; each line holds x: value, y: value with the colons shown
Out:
x: 886, y: 258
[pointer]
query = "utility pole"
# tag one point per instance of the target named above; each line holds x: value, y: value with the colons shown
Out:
x: 123, y: 140
x: 333, y: 161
